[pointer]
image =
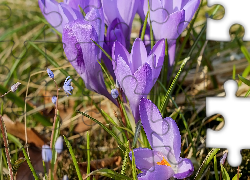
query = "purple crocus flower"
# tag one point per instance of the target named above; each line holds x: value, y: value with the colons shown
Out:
x: 124, y: 11
x: 137, y: 72
x: 58, y: 14
x: 163, y: 161
x: 83, y: 53
x: 169, y: 18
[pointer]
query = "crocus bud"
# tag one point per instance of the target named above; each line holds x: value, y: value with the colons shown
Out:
x: 15, y: 86
x: 114, y: 93
x: 46, y: 153
x: 222, y: 160
x: 50, y: 73
x: 59, y: 144
x: 53, y: 99
x: 65, y: 177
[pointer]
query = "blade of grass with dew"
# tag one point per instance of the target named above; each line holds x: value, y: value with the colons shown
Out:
x: 133, y: 166
x: 166, y: 98
x: 88, y: 155
x: 215, y: 169
x: 30, y: 164
x: 125, y: 113
x: 19, y: 102
x: 235, y: 176
x: 73, y: 158
x: 105, y: 128
x: 124, y: 162
x: 144, y: 26
x: 205, y: 163
x: 109, y: 173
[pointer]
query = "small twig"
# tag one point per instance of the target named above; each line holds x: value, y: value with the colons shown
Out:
x: 238, y: 173
x: 52, y: 134
x: 6, y: 146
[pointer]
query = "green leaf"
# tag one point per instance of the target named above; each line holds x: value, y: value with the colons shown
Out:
x: 88, y: 155
x: 205, y: 163
x: 137, y: 132
x: 109, y: 173
x: 245, y: 52
x: 20, y: 103
x: 73, y: 158
x: 235, y: 177
x: 225, y: 175
x: 215, y: 169
x: 144, y: 26
x: 244, y: 80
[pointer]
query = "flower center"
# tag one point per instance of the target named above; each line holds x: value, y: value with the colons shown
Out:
x: 164, y: 162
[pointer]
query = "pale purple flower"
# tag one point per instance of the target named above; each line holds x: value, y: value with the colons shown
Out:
x: 114, y: 93
x: 169, y: 18
x: 67, y: 86
x: 46, y: 153
x: 65, y: 177
x: 163, y: 161
x: 58, y: 14
x: 59, y: 144
x: 53, y: 99
x: 122, y: 10
x: 223, y: 158
x: 50, y: 73
x: 83, y: 53
x: 137, y: 72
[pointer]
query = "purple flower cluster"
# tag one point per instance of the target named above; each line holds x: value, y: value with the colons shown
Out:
x: 135, y: 70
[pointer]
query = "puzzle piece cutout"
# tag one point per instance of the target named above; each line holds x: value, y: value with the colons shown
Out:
x: 235, y: 112
x: 219, y: 29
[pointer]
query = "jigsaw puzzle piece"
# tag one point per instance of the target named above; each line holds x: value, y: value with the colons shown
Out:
x: 235, y: 111
x: 219, y: 29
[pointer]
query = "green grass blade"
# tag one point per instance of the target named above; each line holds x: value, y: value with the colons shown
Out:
x: 144, y: 26
x: 102, y: 50
x: 215, y: 169
x: 166, y: 98
x: 137, y: 133
x: 73, y: 158
x: 205, y: 163
x: 29, y: 164
x: 109, y: 173
x: 105, y: 128
x: 133, y: 166
x: 234, y: 72
x: 244, y: 80
x: 225, y: 175
x: 88, y: 155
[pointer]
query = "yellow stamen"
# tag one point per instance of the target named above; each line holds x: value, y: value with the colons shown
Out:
x: 164, y: 162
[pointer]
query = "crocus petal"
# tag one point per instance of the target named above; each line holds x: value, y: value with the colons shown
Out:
x: 50, y: 11
x: 145, y: 158
x: 140, y: 86
x: 185, y: 168
x: 83, y: 55
x: 171, y: 54
x: 138, y: 55
x: 86, y: 5
x: 158, y: 172
x: 167, y: 139
x: 190, y: 8
x: 119, y: 50
x: 156, y: 58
